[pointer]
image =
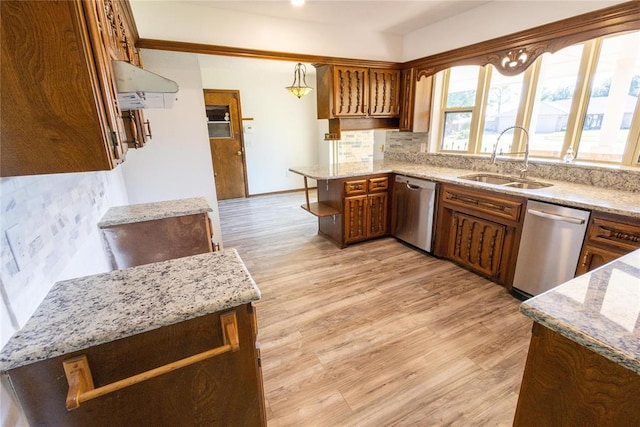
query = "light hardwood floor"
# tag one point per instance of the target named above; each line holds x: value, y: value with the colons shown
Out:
x: 377, y: 334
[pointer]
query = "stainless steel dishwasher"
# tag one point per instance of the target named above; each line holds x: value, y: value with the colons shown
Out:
x: 412, y: 214
x: 549, y: 247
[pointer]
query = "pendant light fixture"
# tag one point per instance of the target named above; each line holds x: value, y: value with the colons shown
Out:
x: 299, y: 86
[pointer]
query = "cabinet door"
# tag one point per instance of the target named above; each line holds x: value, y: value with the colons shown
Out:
x: 384, y: 93
x: 377, y: 206
x: 350, y: 91
x: 476, y: 243
x: 355, y: 218
x: 593, y: 257
x: 407, y: 99
x: 104, y: 36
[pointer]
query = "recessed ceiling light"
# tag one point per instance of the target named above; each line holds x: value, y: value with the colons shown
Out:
x: 297, y: 2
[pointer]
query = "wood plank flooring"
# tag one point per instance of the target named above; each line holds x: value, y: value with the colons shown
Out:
x: 377, y: 334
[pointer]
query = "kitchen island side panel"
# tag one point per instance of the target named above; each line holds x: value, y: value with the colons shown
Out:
x: 223, y: 390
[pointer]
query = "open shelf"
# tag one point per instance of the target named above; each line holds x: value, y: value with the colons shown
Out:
x: 320, y: 209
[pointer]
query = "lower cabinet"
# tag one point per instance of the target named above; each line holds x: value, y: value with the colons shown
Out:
x: 480, y: 230
x: 608, y: 237
x: 141, y: 234
x: 365, y: 217
x: 567, y: 384
x: 476, y: 243
x: 364, y: 207
x: 223, y: 390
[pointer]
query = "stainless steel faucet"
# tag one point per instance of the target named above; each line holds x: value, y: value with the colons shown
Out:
x: 523, y: 171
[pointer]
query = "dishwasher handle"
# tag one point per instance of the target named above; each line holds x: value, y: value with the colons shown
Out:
x: 554, y: 217
x: 413, y: 187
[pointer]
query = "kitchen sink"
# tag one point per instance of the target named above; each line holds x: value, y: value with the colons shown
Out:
x: 507, y: 181
x: 489, y: 179
x: 528, y: 185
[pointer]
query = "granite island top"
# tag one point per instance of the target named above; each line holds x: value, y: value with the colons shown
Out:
x: 561, y: 192
x: 92, y: 310
x: 599, y: 310
x: 129, y: 214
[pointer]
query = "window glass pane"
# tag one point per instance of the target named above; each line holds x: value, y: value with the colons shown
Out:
x: 554, y: 94
x: 503, y: 100
x: 463, y: 82
x: 456, y: 130
x: 614, y: 93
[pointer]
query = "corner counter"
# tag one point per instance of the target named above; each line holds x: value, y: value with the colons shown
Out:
x: 583, y: 366
x: 135, y: 321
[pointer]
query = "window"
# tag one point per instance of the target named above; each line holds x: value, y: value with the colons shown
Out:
x: 458, y: 108
x: 583, y: 97
x: 613, y: 99
x: 553, y: 101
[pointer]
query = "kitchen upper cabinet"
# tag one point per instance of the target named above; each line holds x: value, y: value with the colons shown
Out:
x: 480, y: 230
x: 415, y: 102
x: 608, y: 237
x: 347, y: 92
x: 60, y: 111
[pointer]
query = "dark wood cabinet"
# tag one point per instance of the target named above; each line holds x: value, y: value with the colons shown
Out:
x: 476, y: 243
x: 608, y: 238
x: 567, y: 384
x: 180, y: 228
x: 222, y: 390
x: 360, y: 208
x: 348, y: 92
x: 479, y: 230
x: 415, y: 101
x: 56, y: 70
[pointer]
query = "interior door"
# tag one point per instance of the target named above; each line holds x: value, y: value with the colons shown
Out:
x: 224, y: 120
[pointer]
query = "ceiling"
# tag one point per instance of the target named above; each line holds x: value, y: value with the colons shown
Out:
x: 394, y: 17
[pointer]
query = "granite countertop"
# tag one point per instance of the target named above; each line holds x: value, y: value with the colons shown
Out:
x: 561, y: 192
x: 129, y: 214
x: 600, y: 310
x: 92, y: 310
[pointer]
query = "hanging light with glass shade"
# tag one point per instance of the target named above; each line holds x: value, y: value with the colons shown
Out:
x: 299, y: 86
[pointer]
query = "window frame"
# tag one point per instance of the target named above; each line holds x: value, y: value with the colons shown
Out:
x: 577, y: 115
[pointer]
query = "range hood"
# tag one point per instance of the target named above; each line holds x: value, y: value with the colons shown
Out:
x: 138, y: 88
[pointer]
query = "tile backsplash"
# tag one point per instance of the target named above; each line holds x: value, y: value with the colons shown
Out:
x: 45, y: 220
x: 412, y: 147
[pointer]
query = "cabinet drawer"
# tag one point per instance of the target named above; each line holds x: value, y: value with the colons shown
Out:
x: 613, y: 233
x: 355, y: 188
x: 482, y: 202
x: 378, y: 184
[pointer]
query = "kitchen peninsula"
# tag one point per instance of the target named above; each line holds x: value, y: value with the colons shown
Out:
x: 575, y: 194
x: 130, y: 323
x: 583, y: 366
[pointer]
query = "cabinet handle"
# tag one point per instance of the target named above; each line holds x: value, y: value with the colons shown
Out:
x: 148, y: 125
x: 80, y: 381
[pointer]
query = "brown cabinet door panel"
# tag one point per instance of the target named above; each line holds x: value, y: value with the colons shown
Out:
x: 355, y: 221
x: 476, y: 243
x: 384, y: 93
x: 350, y: 88
x: 377, y: 215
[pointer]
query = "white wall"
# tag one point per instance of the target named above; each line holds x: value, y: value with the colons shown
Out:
x: 176, y: 163
x: 284, y: 127
x: 489, y: 21
x: 192, y: 22
x: 55, y: 217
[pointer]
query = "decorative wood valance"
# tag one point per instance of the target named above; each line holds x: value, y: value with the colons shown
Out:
x: 514, y: 53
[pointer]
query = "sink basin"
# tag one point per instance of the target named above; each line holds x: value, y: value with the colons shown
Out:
x: 528, y: 185
x: 507, y: 181
x: 489, y: 179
